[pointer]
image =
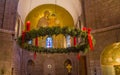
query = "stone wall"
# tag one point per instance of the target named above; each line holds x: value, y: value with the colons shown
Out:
x: 101, y: 16
x: 103, y: 39
x: 8, y: 10
x: 6, y: 47
x: 2, y: 10
x: 8, y: 14
x: 102, y: 13
x: 98, y: 15
x: 43, y: 60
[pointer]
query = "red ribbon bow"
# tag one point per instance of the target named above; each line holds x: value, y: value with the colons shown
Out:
x: 23, y: 36
x: 88, y: 30
x: 35, y: 55
x: 75, y: 41
x: 36, y: 41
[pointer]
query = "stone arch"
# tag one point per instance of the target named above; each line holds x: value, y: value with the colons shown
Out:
x: 30, y: 67
x: 68, y: 66
x: 18, y: 26
x: 110, y: 60
x: 35, y: 14
x: 67, y: 61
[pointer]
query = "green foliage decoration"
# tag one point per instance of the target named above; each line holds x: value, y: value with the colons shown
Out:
x: 51, y: 31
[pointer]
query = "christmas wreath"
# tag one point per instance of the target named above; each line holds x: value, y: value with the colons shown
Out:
x: 85, y: 44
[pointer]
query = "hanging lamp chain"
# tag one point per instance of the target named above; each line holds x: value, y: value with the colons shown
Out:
x: 55, y: 5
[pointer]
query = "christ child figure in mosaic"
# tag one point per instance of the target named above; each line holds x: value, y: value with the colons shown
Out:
x: 44, y: 21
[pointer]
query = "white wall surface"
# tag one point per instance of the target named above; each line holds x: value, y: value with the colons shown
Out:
x: 72, y: 6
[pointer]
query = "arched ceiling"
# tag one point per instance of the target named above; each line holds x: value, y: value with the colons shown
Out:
x: 61, y: 16
x: 72, y: 6
x: 111, y: 55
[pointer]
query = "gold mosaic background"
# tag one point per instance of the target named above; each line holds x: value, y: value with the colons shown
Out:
x: 65, y: 19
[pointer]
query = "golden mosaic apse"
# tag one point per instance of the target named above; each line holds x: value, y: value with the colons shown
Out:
x: 111, y: 55
x: 61, y: 15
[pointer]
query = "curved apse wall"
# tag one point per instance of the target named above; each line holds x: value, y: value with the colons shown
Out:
x: 72, y: 6
x: 57, y: 13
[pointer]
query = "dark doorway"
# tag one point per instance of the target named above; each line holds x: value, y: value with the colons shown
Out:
x: 30, y: 67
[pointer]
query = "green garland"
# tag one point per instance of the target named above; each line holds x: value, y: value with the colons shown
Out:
x: 50, y: 31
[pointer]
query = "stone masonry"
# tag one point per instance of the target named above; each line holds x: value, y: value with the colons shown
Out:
x: 6, y: 52
x: 100, y: 14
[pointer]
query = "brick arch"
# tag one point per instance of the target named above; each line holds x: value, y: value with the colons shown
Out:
x: 38, y: 12
x: 110, y: 59
x: 68, y: 61
x: 18, y: 26
x: 30, y: 67
x: 30, y: 62
x: 68, y: 66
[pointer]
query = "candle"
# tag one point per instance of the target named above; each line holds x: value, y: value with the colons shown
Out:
x: 75, y: 41
x: 28, y: 26
x: 36, y: 41
x: 23, y: 36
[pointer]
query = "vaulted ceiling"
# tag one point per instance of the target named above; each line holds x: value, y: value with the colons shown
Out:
x: 72, y: 6
x: 97, y: 13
